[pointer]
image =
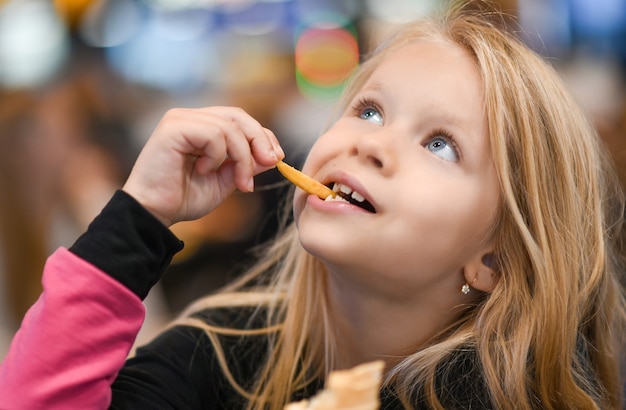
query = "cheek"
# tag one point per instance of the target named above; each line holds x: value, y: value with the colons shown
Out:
x: 314, y: 159
x: 442, y: 223
x: 326, y: 146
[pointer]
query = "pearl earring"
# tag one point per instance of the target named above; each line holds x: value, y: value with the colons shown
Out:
x: 466, y: 288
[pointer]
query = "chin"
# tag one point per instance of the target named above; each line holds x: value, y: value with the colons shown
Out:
x: 317, y: 241
x: 312, y: 240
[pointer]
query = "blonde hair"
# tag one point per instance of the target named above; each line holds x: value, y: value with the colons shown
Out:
x: 550, y: 333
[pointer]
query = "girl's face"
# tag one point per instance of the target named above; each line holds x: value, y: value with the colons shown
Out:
x: 413, y: 151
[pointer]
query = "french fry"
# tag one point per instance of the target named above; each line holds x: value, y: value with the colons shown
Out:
x: 304, y: 182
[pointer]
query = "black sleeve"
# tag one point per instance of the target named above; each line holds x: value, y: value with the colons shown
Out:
x: 129, y: 243
x: 179, y: 369
x: 176, y: 370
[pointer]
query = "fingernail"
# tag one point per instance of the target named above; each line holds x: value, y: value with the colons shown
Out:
x: 251, y: 185
x: 274, y: 156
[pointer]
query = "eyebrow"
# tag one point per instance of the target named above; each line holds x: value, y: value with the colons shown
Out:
x: 376, y: 86
x: 450, y: 117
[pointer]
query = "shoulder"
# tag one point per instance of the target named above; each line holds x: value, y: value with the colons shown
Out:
x: 184, y: 364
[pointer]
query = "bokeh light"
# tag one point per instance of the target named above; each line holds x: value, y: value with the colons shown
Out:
x: 325, y: 57
x: 109, y: 23
x: 34, y: 43
x: 170, y: 52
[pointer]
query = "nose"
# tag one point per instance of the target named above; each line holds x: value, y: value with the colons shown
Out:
x: 376, y: 149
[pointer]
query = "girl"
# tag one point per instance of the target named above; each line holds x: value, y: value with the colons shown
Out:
x: 475, y: 251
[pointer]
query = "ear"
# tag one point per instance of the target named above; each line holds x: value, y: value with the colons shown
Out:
x: 481, y: 273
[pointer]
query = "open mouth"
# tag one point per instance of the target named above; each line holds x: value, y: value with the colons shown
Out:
x: 347, y: 194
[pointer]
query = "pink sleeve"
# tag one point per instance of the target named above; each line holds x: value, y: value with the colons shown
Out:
x: 73, y: 340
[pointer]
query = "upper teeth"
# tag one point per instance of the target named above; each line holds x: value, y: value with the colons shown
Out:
x: 346, y: 190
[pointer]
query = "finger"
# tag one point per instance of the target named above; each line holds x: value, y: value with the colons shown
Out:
x: 212, y: 138
x: 256, y: 155
x: 275, y: 143
x: 198, y: 131
x: 216, y: 133
x: 263, y: 143
x: 229, y: 145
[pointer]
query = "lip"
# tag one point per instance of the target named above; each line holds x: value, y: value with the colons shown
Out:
x: 350, y: 180
x: 339, y: 207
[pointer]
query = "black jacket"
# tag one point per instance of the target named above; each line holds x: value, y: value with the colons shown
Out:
x: 179, y: 368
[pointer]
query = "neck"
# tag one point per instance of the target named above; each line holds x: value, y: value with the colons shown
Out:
x: 370, y: 326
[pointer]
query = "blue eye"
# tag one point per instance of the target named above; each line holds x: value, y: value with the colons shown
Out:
x: 443, y: 147
x: 371, y: 114
x: 368, y: 110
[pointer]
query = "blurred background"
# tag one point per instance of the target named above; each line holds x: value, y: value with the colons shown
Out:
x: 84, y: 82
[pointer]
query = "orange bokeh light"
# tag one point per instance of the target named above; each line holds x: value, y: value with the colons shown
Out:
x: 326, y: 57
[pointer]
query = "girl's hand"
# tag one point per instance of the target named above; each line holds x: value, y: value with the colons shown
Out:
x: 195, y: 158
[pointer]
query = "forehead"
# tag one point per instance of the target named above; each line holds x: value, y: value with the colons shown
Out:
x: 434, y: 70
x: 428, y: 61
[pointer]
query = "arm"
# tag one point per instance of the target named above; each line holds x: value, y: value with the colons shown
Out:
x: 76, y: 337
x: 49, y: 364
